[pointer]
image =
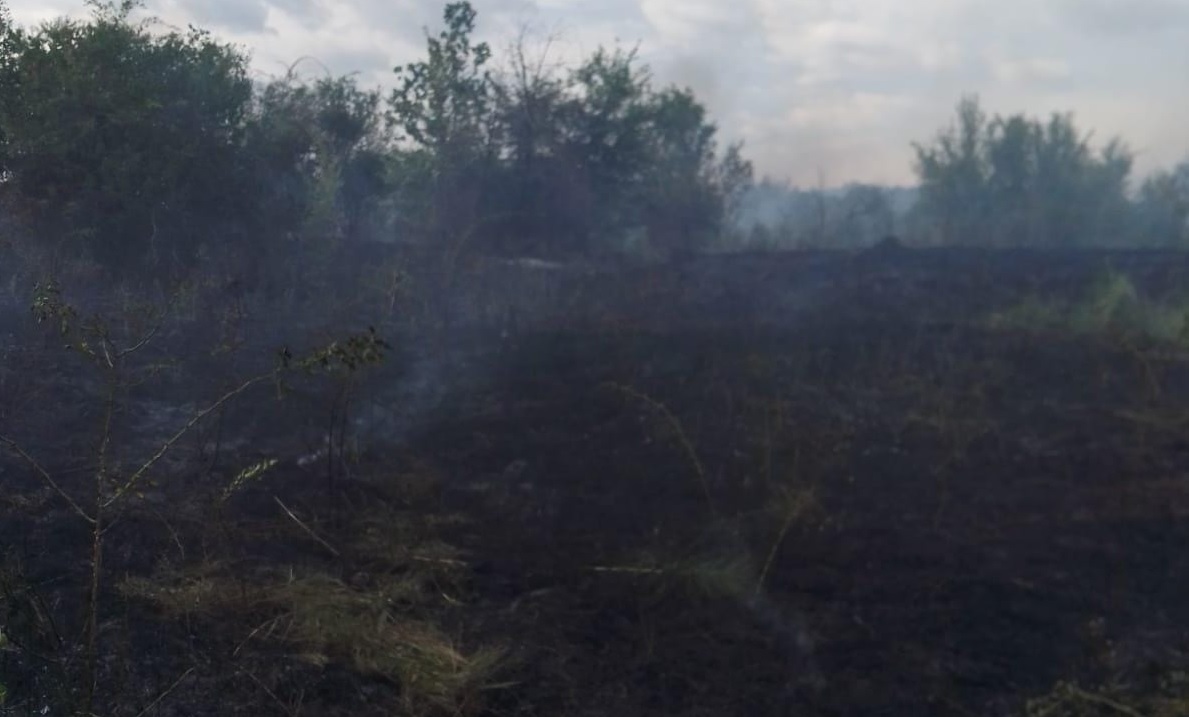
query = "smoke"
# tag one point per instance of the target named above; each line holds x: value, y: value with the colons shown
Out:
x: 782, y: 215
x: 393, y: 411
x: 793, y: 636
x: 705, y: 77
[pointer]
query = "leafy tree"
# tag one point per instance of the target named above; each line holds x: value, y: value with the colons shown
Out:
x: 538, y: 185
x: 442, y: 101
x: 317, y: 156
x: 607, y: 138
x: 117, y: 142
x: 953, y: 177
x: 1017, y: 180
x: 574, y: 150
x: 687, y: 191
x: 1109, y: 216
x: 321, y: 152
x: 1012, y: 178
x: 1163, y: 207
x: 442, y: 108
x: 555, y: 163
x: 735, y: 177
x: 681, y: 208
x: 641, y: 161
x: 146, y: 149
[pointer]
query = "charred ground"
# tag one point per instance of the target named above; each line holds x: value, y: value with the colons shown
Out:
x: 813, y: 483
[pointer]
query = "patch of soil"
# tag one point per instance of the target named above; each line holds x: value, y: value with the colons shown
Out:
x: 814, y: 484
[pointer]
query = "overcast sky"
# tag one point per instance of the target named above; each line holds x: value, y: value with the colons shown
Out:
x: 818, y: 89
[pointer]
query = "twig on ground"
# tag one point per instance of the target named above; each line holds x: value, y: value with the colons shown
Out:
x: 1102, y: 701
x: 165, y: 694
x: 683, y: 440
x: 307, y: 528
x: 625, y: 569
x: 45, y: 476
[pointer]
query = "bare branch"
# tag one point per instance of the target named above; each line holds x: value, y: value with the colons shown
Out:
x: 1102, y: 701
x: 45, y: 476
x: 169, y: 444
x: 678, y: 431
x: 103, y: 342
x: 165, y: 694
x: 307, y: 528
x: 140, y: 344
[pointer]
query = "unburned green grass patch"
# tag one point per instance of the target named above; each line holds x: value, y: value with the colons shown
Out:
x: 1112, y: 306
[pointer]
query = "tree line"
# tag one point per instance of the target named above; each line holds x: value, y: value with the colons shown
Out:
x: 142, y: 149
x: 146, y: 150
x: 1021, y: 180
x: 990, y: 181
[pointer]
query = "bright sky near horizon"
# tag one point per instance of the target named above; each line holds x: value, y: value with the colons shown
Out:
x: 819, y: 90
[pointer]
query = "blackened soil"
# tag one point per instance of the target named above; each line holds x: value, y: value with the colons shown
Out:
x: 752, y: 485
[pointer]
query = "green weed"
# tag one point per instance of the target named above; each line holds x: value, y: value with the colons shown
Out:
x: 1113, y: 306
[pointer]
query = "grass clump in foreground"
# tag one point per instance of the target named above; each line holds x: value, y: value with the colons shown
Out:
x: 1112, y: 307
x: 1169, y: 698
x: 331, y: 621
x: 326, y: 621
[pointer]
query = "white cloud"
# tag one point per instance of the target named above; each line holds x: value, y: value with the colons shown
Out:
x: 1115, y: 18
x: 247, y: 16
x: 1030, y: 70
x: 31, y: 14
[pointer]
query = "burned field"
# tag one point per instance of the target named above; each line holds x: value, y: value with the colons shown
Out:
x: 946, y: 482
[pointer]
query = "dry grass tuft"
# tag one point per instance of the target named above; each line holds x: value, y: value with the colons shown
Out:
x: 198, y: 591
x: 330, y: 621
x: 327, y: 621
x: 1169, y: 699
x: 727, y: 574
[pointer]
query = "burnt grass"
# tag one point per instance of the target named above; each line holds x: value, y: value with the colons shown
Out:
x: 758, y: 484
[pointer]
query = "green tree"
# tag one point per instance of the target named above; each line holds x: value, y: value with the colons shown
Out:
x: 686, y: 190
x: 645, y: 162
x: 119, y: 143
x: 1163, y: 207
x: 953, y: 176
x: 442, y: 107
x: 607, y: 141
x: 537, y: 188
x: 320, y: 150
x: 1012, y: 179
x: 734, y: 177
x: 1109, y: 216
x: 317, y: 156
x: 1018, y: 180
x: 1063, y: 162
